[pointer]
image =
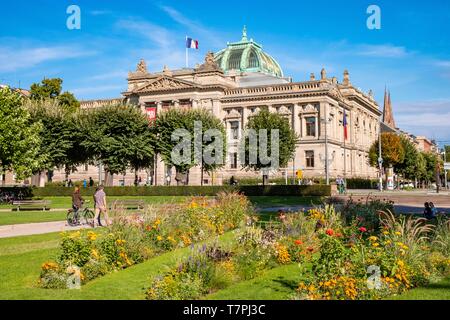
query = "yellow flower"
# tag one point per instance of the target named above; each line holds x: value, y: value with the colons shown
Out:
x: 385, y: 232
x: 397, y: 233
x: 159, y: 238
x: 95, y: 253
x: 373, y: 238
x: 49, y: 266
x: 120, y: 242
x: 375, y: 244
x: 387, y: 242
x: 91, y: 236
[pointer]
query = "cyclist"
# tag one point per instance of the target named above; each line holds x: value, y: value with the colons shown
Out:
x: 77, y: 202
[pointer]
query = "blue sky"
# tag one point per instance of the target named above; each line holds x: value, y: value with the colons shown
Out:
x: 410, y: 53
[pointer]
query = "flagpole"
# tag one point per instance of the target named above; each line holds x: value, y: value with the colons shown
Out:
x: 187, y: 58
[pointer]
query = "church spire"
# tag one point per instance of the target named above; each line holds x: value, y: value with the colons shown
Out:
x: 244, y: 34
x: 388, y: 115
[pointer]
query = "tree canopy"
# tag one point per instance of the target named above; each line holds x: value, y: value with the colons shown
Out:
x: 391, y: 150
x: 166, y: 128
x: 287, y: 141
x: 51, y: 89
x: 19, y: 136
x: 118, y: 136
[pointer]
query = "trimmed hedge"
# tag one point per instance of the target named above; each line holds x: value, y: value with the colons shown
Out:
x: 360, y: 183
x: 275, y: 190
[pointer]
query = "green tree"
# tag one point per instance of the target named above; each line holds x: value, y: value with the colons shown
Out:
x: 47, y: 89
x: 51, y: 89
x: 288, y: 140
x: 433, y: 161
x: 409, y: 166
x: 175, y: 120
x: 392, y: 151
x: 19, y: 136
x: 119, y: 137
x: 60, y: 139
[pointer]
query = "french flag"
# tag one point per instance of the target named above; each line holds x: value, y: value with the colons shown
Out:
x: 344, y: 122
x: 191, y: 43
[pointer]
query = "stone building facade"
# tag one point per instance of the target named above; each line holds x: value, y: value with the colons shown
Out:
x: 236, y: 83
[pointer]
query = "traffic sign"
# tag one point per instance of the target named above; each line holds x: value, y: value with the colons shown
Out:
x: 299, y: 174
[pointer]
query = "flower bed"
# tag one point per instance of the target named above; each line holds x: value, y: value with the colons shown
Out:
x: 339, y: 258
x: 84, y: 256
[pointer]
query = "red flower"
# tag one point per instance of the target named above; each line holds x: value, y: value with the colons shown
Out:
x: 362, y: 229
x: 329, y: 232
x: 148, y: 228
x: 298, y: 242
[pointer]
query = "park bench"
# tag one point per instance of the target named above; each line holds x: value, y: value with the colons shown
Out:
x: 22, y: 205
x: 127, y: 204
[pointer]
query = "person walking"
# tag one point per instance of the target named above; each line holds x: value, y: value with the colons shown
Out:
x: 84, y: 183
x: 100, y: 206
x: 77, y: 202
x: 91, y: 182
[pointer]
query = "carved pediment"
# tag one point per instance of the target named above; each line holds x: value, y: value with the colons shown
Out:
x: 233, y: 114
x: 164, y: 83
x: 283, y: 110
x: 309, y: 108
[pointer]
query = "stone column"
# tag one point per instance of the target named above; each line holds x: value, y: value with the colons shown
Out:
x: 245, y: 114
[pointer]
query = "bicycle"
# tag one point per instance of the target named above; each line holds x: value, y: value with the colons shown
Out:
x: 73, y: 218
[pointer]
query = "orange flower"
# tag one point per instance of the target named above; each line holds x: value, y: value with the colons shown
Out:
x: 329, y: 232
x: 298, y: 242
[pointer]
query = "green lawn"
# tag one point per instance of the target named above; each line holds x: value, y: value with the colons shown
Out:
x: 280, y: 201
x: 433, y: 291
x: 22, y: 257
x: 276, y: 284
x: 20, y: 267
x: 13, y: 217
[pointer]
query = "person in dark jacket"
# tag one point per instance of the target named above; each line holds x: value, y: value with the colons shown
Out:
x: 77, y: 202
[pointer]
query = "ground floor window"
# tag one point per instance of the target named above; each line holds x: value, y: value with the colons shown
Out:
x: 309, y: 155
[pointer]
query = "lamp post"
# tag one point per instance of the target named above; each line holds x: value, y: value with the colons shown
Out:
x: 380, y: 158
x: 445, y: 171
x: 327, y: 164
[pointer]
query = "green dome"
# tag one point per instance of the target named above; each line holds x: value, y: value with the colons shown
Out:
x: 247, y: 56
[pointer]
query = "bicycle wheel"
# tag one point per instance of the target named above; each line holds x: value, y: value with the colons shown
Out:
x: 71, y: 218
x: 88, y: 216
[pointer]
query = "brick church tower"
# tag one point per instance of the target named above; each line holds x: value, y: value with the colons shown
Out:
x: 388, y: 115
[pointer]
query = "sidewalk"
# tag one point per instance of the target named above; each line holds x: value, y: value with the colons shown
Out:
x: 27, y: 229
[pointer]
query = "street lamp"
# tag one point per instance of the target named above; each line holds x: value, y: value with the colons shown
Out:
x: 445, y: 171
x: 327, y: 164
x: 380, y: 158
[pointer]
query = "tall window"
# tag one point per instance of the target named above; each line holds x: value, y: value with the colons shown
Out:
x: 234, y: 127
x: 309, y: 155
x: 233, y: 160
x: 311, y: 126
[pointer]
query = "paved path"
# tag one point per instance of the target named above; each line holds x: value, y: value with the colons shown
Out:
x: 27, y: 229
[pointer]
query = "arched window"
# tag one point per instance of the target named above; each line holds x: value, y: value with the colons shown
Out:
x: 253, y: 61
x: 234, y: 62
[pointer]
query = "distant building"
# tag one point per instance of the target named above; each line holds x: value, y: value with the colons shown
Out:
x: 235, y: 84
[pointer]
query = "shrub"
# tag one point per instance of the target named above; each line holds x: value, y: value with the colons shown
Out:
x: 275, y: 190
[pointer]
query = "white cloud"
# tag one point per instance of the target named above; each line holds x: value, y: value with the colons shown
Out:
x: 428, y: 118
x: 197, y: 29
x: 156, y: 34
x: 99, y: 12
x: 28, y: 57
x: 93, y: 90
x: 381, y: 51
